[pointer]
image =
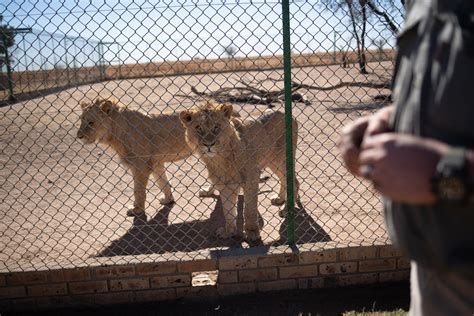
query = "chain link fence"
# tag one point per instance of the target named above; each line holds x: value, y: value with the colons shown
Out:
x: 41, y: 63
x: 73, y: 173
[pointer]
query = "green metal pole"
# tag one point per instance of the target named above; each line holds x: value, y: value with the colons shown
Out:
x: 11, y: 96
x: 288, y: 122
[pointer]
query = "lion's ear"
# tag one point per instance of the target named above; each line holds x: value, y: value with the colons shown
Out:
x: 186, y: 117
x: 227, y: 109
x: 84, y: 104
x: 107, y: 106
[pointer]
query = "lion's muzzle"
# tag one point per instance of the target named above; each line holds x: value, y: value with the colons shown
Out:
x: 208, y: 149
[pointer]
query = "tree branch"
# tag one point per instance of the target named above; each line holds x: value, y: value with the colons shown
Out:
x: 384, y: 15
x: 252, y: 95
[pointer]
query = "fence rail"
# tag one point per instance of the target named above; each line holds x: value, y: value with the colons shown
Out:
x: 74, y: 177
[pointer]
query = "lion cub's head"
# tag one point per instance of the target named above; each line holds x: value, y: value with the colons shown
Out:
x: 208, y: 127
x: 95, y: 120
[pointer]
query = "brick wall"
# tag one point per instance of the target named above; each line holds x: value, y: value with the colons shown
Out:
x: 238, y: 272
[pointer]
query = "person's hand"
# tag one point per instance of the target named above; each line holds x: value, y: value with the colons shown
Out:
x: 353, y: 134
x: 401, y: 166
x: 380, y: 121
x: 349, y: 143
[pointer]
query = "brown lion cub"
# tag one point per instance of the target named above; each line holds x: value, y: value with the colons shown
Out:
x: 143, y: 142
x: 235, y: 152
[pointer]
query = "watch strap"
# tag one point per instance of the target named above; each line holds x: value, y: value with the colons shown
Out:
x: 451, y: 181
x: 454, y: 161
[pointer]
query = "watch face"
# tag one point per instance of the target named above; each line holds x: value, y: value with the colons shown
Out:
x: 451, y: 189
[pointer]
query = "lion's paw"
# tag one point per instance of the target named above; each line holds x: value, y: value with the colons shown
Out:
x: 136, y: 211
x: 224, y: 233
x: 207, y: 192
x: 252, y: 234
x: 283, y: 212
x: 166, y: 200
x: 277, y: 201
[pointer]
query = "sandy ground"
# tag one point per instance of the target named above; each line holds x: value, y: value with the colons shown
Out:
x: 62, y: 201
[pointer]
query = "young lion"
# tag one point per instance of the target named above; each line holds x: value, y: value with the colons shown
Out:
x: 235, y: 152
x: 143, y: 142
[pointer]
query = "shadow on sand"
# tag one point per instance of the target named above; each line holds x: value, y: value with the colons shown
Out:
x: 157, y: 236
x: 359, y: 107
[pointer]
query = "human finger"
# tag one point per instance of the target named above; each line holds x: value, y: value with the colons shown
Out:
x: 370, y: 156
x: 376, y: 126
x: 350, y: 156
x: 380, y: 121
x: 378, y: 140
x: 354, y: 132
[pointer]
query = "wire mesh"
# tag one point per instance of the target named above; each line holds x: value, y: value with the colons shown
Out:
x: 47, y: 62
x: 67, y: 189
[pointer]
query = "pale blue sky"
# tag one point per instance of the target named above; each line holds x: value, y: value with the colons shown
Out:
x: 170, y: 30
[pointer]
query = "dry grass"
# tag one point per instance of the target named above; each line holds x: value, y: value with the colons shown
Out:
x: 32, y: 81
x: 237, y: 64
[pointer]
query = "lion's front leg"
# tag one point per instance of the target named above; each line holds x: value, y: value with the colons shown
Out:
x: 140, y: 181
x: 279, y: 168
x: 162, y: 180
x: 229, y: 195
x: 252, y: 230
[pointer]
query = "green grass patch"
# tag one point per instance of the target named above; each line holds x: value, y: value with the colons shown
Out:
x: 398, y: 312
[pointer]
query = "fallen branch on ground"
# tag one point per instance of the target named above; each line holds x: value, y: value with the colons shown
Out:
x: 247, y: 93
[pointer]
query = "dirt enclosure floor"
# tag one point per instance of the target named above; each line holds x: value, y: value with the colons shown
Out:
x: 63, y: 202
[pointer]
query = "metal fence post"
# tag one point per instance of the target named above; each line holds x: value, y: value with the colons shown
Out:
x: 100, y: 50
x: 67, y: 62
x: 288, y: 122
x: 11, y: 96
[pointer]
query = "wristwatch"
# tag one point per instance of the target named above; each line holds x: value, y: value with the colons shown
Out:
x: 451, y: 183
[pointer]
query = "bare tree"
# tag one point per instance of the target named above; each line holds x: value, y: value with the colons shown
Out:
x: 379, y: 43
x: 354, y: 10
x: 360, y: 40
x: 7, y: 37
x: 387, y: 19
x: 59, y: 66
x: 344, y: 50
x: 359, y: 13
x: 230, y: 50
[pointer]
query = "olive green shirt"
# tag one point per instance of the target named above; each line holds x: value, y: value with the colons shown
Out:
x: 433, y: 95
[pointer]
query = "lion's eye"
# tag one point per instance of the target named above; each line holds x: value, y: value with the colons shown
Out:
x: 90, y: 123
x: 199, y: 129
x: 215, y: 129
